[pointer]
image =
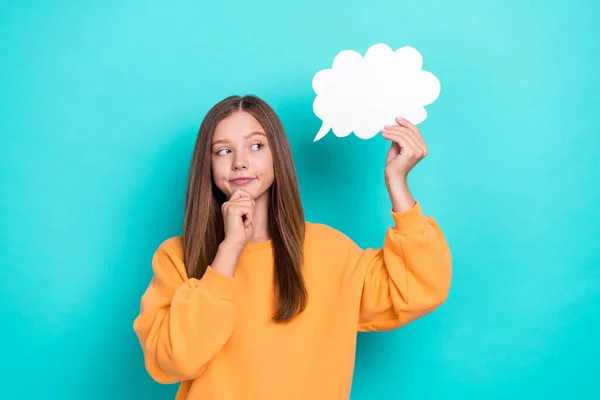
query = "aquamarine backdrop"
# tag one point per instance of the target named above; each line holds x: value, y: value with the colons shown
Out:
x: 100, y: 103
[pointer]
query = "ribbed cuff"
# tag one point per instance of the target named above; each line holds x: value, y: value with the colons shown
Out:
x: 409, y: 220
x: 219, y: 285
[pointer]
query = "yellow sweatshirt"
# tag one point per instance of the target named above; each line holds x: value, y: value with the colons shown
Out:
x: 216, y: 337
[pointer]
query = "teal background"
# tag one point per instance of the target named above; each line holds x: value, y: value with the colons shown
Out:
x: 100, y: 103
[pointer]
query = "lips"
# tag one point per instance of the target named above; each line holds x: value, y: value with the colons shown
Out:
x: 242, y: 181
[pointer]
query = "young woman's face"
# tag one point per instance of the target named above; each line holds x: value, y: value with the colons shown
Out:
x: 241, y: 156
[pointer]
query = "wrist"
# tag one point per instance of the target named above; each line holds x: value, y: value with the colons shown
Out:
x: 226, y: 258
x: 392, y: 175
x: 400, y: 195
x: 396, y: 183
x: 231, y: 248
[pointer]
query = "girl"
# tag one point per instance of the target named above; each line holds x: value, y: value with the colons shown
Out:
x: 254, y: 302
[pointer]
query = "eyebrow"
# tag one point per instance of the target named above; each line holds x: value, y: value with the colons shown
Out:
x: 248, y: 136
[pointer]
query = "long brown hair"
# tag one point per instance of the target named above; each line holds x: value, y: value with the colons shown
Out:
x: 203, y: 229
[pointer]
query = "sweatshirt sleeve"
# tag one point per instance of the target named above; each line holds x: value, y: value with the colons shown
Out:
x: 409, y: 277
x: 183, y: 323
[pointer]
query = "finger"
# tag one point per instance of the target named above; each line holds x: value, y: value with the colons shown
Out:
x: 402, y: 132
x: 407, y: 147
x: 247, y: 196
x: 239, y: 194
x: 400, y: 140
x: 234, y: 207
x: 413, y: 128
x: 414, y: 131
x: 232, y: 203
x: 410, y: 134
x: 398, y: 130
x: 242, y: 202
x: 406, y: 123
x: 236, y: 195
x: 244, y: 209
x: 248, y: 214
x: 249, y: 218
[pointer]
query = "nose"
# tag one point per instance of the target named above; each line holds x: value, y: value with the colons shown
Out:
x: 240, y: 162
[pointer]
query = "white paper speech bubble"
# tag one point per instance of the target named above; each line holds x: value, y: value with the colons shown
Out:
x: 361, y: 95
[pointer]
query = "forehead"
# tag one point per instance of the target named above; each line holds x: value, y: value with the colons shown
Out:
x: 237, y: 126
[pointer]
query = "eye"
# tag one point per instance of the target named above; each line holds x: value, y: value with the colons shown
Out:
x: 257, y: 146
x: 222, y: 152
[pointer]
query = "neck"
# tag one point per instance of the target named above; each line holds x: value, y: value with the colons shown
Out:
x: 260, y: 226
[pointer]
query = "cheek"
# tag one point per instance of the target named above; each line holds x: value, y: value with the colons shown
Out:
x: 266, y: 167
x: 218, y: 171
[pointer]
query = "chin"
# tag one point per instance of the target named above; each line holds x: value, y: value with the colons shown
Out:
x: 255, y: 191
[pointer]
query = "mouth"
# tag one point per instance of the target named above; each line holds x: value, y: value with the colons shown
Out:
x: 242, y: 181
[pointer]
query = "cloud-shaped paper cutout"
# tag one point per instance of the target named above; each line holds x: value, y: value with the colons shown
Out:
x: 361, y: 95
